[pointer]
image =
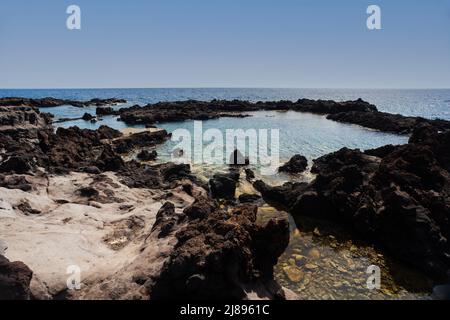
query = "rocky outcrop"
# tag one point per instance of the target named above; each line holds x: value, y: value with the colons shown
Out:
x: 136, y: 175
x: 249, y: 198
x: 296, y: 164
x: 15, y: 278
x: 32, y: 144
x: 223, y: 185
x: 356, y: 112
x: 201, y: 110
x: 74, y: 149
x: 189, y: 248
x: 22, y: 117
x: 399, y: 199
x: 146, y: 155
x: 87, y: 117
x: 106, y: 111
x: 221, y: 256
x: 53, y: 102
x: 140, y: 140
x: 387, y: 122
x: 249, y: 174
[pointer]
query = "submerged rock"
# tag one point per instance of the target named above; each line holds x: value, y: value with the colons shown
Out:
x: 293, y: 273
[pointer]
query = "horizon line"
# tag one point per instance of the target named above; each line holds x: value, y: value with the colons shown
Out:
x: 243, y: 87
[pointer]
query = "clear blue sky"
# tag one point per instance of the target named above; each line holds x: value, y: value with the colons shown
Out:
x: 225, y: 43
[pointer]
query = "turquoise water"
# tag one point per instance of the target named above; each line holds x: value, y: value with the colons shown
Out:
x: 299, y: 133
x: 307, y: 134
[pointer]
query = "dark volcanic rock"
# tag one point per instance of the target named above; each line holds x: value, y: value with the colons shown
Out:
x: 75, y: 149
x: 15, y: 182
x: 92, y: 170
x: 146, y: 155
x: 140, y: 140
x: 296, y: 164
x: 381, y: 152
x: 223, y: 185
x: 174, y: 171
x: 218, y: 255
x: 31, y: 143
x: 87, y: 117
x: 23, y: 117
x: 88, y: 192
x: 53, y: 102
x: 386, y: 121
x: 249, y: 198
x: 356, y: 112
x: 26, y: 208
x: 200, y: 110
x: 166, y: 219
x: 108, y: 133
x: 15, y: 278
x: 106, y: 111
x: 201, y: 208
x: 17, y: 164
x: 280, y: 195
x: 249, y: 174
x: 136, y: 175
x: 401, y: 200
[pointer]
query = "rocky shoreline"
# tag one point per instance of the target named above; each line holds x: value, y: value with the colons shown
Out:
x: 53, y: 102
x: 356, y: 112
x: 395, y: 196
x: 149, y: 219
x: 157, y: 232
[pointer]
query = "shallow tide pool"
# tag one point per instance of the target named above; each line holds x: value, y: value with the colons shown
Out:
x: 321, y: 261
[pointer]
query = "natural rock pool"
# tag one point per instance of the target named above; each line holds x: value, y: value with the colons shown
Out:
x: 321, y: 261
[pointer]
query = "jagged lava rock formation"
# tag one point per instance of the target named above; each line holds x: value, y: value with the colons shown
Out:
x: 128, y: 226
x: 396, y: 196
